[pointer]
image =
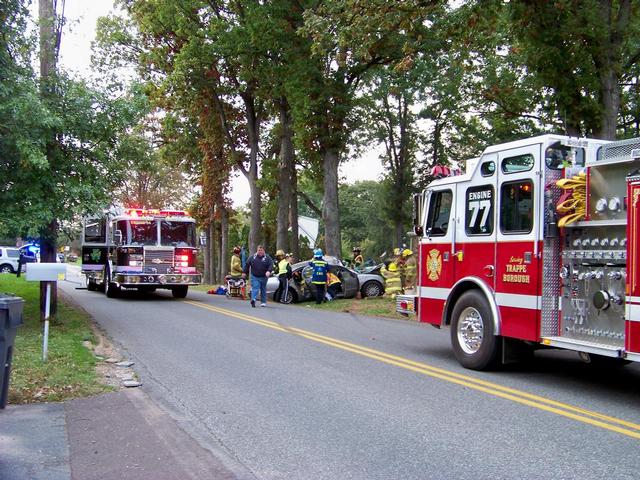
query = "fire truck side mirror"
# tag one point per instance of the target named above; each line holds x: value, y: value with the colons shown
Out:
x: 117, y: 237
x: 203, y: 239
x: 417, y: 214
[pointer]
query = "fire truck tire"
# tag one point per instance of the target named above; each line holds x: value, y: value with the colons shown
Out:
x: 91, y: 285
x: 180, y: 292
x: 111, y: 290
x: 472, y: 332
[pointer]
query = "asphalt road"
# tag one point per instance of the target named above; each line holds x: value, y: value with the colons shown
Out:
x: 292, y: 393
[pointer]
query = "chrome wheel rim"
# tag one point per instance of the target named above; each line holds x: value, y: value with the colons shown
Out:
x: 470, y: 330
x: 372, y: 290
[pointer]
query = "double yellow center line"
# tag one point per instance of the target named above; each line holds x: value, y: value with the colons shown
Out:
x: 535, y: 401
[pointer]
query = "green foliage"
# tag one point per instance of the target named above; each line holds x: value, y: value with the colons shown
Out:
x: 362, y: 224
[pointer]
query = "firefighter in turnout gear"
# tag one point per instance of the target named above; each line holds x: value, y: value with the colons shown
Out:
x: 319, y: 274
x: 392, y: 280
x: 357, y: 258
x: 410, y: 267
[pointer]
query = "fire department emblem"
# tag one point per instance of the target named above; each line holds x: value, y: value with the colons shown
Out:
x: 434, y: 265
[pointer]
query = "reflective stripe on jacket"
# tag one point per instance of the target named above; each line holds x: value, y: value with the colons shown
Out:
x: 319, y: 274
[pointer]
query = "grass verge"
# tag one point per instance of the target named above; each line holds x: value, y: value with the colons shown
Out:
x: 369, y: 306
x: 70, y: 370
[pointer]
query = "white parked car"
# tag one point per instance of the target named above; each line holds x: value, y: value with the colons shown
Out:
x: 9, y: 257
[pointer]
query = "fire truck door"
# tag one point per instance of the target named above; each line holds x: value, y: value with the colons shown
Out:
x: 517, y: 248
x: 436, y: 256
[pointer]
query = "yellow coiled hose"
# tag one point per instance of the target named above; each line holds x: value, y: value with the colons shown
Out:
x: 574, y: 207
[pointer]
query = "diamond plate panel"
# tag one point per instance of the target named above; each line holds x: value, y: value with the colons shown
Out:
x: 550, y: 263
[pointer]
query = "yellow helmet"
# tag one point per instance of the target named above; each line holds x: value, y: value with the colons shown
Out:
x: 280, y: 253
x: 406, y: 252
x: 396, y: 251
x: 393, y: 267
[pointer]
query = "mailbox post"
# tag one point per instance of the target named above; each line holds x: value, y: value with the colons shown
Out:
x: 46, y: 272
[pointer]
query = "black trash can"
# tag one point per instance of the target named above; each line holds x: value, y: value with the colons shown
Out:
x: 10, y: 318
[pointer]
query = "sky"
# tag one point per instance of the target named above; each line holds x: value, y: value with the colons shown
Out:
x: 75, y: 55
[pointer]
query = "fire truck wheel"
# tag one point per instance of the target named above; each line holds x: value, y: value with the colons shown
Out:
x: 91, y: 286
x: 180, y: 292
x: 111, y: 290
x: 472, y: 333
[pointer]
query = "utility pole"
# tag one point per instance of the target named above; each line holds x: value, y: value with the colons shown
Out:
x: 49, y: 47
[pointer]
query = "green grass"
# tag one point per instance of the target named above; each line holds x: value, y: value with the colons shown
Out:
x: 70, y: 369
x: 370, y: 306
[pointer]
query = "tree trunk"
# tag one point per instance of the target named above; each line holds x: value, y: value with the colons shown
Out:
x: 224, y: 242
x: 330, y: 215
x: 253, y: 134
x: 206, y: 274
x: 295, y: 231
x: 212, y: 251
x: 610, y: 88
x: 284, y: 177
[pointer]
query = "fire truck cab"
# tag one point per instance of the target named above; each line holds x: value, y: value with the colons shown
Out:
x: 495, y: 267
x: 140, y: 249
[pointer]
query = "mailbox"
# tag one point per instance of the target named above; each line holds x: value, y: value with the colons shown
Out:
x: 46, y: 272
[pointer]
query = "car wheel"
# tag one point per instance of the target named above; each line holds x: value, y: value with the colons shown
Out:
x: 472, y: 332
x: 180, y: 292
x: 6, y: 268
x: 292, y: 297
x: 372, y: 289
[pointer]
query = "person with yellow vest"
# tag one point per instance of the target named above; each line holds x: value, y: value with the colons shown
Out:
x: 391, y: 279
x: 283, y: 271
x: 410, y: 268
x: 334, y: 285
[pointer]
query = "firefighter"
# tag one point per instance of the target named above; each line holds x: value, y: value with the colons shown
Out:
x: 334, y: 285
x: 410, y: 266
x: 236, y: 263
x: 399, y: 261
x: 357, y: 258
x: 283, y: 271
x: 319, y: 274
x: 392, y: 280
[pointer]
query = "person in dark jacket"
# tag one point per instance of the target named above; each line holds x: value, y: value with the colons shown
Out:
x: 319, y: 274
x: 260, y: 265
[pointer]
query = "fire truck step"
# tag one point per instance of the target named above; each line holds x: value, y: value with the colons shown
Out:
x: 584, y: 346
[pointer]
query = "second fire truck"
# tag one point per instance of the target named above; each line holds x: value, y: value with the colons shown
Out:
x: 140, y: 249
x: 535, y: 245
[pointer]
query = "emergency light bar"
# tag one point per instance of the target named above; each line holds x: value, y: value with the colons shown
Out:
x: 143, y: 212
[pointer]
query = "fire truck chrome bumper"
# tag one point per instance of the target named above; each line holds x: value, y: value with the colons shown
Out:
x: 128, y: 280
x: 406, y: 304
x: 94, y: 275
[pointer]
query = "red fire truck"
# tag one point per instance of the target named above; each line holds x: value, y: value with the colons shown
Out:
x: 140, y: 249
x: 535, y: 245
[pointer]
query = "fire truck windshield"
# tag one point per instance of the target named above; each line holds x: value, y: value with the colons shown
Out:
x: 142, y: 232
x: 177, y: 234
